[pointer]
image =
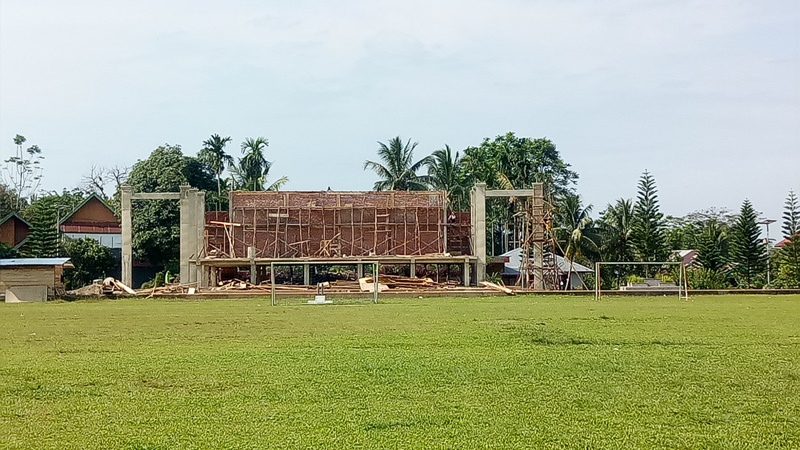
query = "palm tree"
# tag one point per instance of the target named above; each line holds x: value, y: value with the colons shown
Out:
x: 213, y: 154
x: 616, y: 224
x: 444, y: 174
x: 576, y: 231
x: 253, y: 169
x: 398, y: 171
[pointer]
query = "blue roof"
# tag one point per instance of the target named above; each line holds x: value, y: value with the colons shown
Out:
x: 12, y: 262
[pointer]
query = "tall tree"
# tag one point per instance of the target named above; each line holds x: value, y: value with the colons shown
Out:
x: 615, y: 226
x: 24, y: 170
x: 44, y: 213
x: 647, y: 231
x: 253, y: 169
x: 712, y: 245
x: 748, y: 252
x: 156, y: 234
x: 213, y: 154
x: 579, y: 237
x: 518, y: 162
x: 789, y: 255
x: 444, y: 174
x: 398, y: 170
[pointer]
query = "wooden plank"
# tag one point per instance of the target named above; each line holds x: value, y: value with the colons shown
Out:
x: 497, y: 287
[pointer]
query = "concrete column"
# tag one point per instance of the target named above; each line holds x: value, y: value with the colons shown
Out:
x: 466, y: 272
x: 251, y: 255
x: 127, y: 235
x: 186, y: 230
x: 306, y: 274
x: 478, y: 221
x: 412, y: 272
x: 360, y: 270
x: 200, y: 240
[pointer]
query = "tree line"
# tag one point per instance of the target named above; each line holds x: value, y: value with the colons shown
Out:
x: 731, y: 251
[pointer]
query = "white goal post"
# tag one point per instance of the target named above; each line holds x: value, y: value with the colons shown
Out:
x: 683, y: 283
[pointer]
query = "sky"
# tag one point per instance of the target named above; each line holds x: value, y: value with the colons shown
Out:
x: 703, y: 94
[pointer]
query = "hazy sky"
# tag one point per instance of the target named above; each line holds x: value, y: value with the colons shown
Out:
x: 704, y: 94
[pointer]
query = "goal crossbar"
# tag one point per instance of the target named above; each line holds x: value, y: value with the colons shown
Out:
x: 683, y: 283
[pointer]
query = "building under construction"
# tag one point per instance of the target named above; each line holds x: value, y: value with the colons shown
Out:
x: 307, y: 229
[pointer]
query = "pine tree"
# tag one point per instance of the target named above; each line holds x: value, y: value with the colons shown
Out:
x: 43, y: 239
x: 648, y: 230
x: 789, y: 256
x: 748, y: 252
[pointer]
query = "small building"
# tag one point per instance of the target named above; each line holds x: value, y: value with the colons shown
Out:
x: 569, y: 272
x: 32, y: 279
x: 94, y: 219
x: 14, y: 230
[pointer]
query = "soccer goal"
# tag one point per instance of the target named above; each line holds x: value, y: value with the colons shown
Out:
x: 682, y: 282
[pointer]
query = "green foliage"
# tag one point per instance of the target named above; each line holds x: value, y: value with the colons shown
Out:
x: 156, y: 234
x: 8, y: 200
x: 748, y: 252
x: 253, y: 169
x: 43, y: 214
x: 6, y: 251
x: 578, y: 236
x: 712, y: 245
x: 91, y: 260
x: 633, y: 279
x: 789, y: 254
x: 705, y: 278
x: 445, y: 174
x: 397, y: 170
x: 647, y: 228
x: 511, y: 162
x: 615, y: 226
x: 213, y: 155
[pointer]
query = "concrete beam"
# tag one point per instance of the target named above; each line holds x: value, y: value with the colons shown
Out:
x: 156, y: 196
x: 510, y: 193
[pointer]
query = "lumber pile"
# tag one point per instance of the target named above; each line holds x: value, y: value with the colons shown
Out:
x: 99, y: 288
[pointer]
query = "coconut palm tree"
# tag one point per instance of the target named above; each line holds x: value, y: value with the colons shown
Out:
x: 616, y: 225
x: 397, y: 169
x: 578, y: 235
x: 213, y: 155
x: 445, y: 174
x: 253, y: 168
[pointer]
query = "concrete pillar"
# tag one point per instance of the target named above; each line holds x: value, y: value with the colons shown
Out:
x: 200, y: 239
x: 127, y: 235
x: 360, y: 270
x: 466, y: 272
x: 186, y: 230
x: 478, y: 231
x: 251, y: 255
x: 412, y: 271
x: 306, y: 274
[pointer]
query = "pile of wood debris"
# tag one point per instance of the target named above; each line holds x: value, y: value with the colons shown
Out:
x: 105, y: 287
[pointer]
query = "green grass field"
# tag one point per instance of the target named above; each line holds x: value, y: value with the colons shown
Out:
x: 521, y: 372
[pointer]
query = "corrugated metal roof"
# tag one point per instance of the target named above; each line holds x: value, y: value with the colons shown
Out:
x: 11, y: 262
x: 514, y: 257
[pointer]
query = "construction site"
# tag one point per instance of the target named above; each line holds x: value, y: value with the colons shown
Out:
x: 298, y: 242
